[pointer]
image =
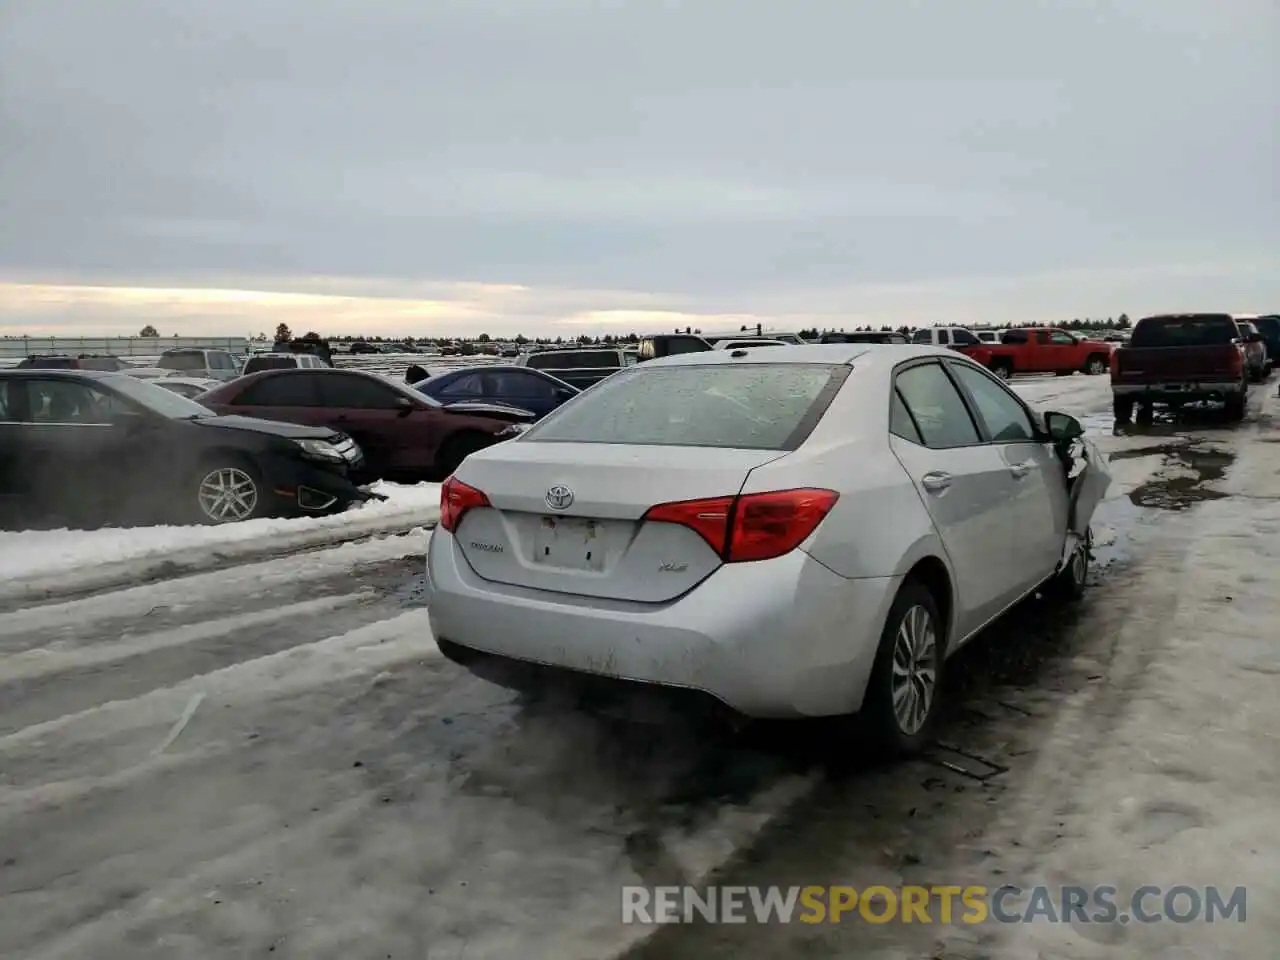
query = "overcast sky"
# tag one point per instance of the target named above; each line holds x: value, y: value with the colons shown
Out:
x: 541, y: 165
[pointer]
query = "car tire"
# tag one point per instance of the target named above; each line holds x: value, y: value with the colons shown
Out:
x: 1123, y: 410
x: 227, y: 489
x: 1002, y: 369
x: 1235, y: 405
x: 1071, y: 582
x: 457, y: 449
x: 1095, y: 365
x: 1146, y: 414
x: 911, y: 650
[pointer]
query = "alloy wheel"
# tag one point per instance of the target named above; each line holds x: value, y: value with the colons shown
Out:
x: 914, y: 679
x: 228, y: 494
x: 1096, y: 367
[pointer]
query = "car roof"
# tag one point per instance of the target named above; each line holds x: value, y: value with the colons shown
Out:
x: 889, y: 354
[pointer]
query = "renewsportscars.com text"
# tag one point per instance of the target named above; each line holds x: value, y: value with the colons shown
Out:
x: 935, y: 904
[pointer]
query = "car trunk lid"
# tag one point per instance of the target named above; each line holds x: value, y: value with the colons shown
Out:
x: 567, y: 517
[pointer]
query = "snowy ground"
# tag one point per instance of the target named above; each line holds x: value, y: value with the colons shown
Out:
x: 273, y: 760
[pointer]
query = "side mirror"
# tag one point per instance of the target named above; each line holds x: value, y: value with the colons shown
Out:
x: 1254, y: 338
x: 404, y: 406
x: 1062, y: 426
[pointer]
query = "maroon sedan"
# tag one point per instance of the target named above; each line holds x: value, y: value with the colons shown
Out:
x: 403, y: 433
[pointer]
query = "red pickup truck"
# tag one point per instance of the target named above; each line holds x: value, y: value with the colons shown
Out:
x: 1039, y: 350
x: 1180, y: 358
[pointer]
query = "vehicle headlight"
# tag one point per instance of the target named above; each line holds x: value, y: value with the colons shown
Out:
x: 321, y: 450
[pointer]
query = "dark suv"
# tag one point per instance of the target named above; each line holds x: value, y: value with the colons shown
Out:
x: 81, y: 447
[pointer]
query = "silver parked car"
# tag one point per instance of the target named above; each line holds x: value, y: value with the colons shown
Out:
x: 798, y: 533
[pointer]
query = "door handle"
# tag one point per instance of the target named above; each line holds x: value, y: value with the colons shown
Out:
x: 936, y: 482
x: 1020, y: 470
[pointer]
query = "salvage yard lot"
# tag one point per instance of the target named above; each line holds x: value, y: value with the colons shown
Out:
x: 272, y: 758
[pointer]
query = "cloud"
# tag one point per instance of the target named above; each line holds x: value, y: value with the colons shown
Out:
x: 711, y: 157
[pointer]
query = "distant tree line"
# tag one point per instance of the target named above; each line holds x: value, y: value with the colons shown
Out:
x: 283, y: 333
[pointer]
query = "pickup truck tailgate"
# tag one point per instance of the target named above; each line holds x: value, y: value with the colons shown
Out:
x: 1150, y: 364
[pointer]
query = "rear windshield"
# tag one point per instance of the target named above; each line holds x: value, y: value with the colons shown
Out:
x: 182, y: 361
x: 575, y: 360
x: 270, y: 363
x: 110, y: 364
x: 748, y: 406
x: 51, y: 363
x: 1192, y: 331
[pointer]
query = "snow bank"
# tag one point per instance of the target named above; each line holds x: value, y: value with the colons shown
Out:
x: 31, y: 554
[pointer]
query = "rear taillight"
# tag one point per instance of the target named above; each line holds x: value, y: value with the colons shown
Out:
x: 755, y: 526
x: 456, y: 498
x: 1237, y: 362
x: 1115, y: 363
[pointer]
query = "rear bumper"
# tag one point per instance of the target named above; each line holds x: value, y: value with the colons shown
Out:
x: 781, y: 638
x: 1174, y: 390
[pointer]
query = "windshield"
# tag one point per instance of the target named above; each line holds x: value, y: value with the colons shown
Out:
x: 1198, y: 330
x: 749, y: 406
x: 182, y: 361
x: 156, y: 399
x: 575, y: 359
x: 270, y: 363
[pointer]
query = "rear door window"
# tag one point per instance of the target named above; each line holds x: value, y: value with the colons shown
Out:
x: 900, y: 422
x: 468, y: 386
x: 356, y: 392
x: 963, y: 338
x: 937, y: 407
x: 922, y: 336
x: 756, y: 406
x: 511, y: 383
x: 284, y: 390
x: 575, y: 360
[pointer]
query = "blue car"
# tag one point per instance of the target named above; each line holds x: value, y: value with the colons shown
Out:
x: 523, y: 387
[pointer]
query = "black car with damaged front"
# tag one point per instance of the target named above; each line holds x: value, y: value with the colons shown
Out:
x: 85, y: 448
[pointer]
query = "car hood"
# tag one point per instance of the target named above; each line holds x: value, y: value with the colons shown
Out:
x: 276, y: 428
x: 487, y: 408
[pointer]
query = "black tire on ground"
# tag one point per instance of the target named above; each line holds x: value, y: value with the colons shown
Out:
x: 1002, y: 368
x: 1071, y: 581
x: 243, y: 492
x: 893, y: 666
x: 1235, y: 405
x: 1257, y: 375
x: 1123, y: 409
x: 1095, y: 365
x: 1146, y: 413
x: 458, y: 449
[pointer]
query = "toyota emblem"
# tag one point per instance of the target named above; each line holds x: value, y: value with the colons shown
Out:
x: 559, y: 497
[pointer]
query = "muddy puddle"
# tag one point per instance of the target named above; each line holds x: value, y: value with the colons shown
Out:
x: 1184, y: 478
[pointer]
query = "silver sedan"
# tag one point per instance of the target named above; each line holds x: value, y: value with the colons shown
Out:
x: 797, y: 533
